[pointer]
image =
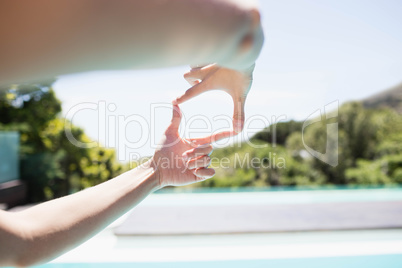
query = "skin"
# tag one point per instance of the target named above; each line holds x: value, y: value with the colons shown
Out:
x: 45, y: 231
x: 45, y: 38
x: 48, y: 38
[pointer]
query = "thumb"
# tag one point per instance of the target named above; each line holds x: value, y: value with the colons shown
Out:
x: 196, y: 90
x: 176, y: 118
x: 238, y: 114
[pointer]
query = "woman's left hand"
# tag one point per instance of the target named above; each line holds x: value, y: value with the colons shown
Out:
x: 211, y: 77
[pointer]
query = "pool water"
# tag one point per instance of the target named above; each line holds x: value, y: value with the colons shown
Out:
x: 380, y: 261
x: 324, y: 249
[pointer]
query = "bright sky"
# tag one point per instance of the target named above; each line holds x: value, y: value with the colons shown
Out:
x: 315, y: 52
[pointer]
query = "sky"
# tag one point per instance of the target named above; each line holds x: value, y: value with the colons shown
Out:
x: 315, y: 53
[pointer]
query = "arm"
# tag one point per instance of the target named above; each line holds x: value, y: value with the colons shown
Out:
x: 47, y: 38
x: 47, y: 230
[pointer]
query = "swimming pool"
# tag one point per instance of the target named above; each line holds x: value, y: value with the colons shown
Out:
x: 390, y: 261
x: 369, y: 248
x: 342, y: 248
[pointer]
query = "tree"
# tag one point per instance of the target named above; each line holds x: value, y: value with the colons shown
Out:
x: 50, y: 164
x: 279, y: 132
x: 370, y: 151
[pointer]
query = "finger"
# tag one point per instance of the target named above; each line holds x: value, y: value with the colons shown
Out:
x: 192, y: 92
x: 195, y: 73
x: 193, y: 81
x: 204, y: 173
x: 197, y: 152
x: 208, y: 66
x: 199, y: 162
x: 238, y: 114
x: 193, y: 66
x: 194, y: 76
x: 199, y: 73
x: 176, y: 118
x: 213, y: 138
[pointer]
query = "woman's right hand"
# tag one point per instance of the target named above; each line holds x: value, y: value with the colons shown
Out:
x: 179, y: 161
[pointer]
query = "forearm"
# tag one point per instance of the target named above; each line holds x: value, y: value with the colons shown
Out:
x: 48, y: 38
x: 54, y: 227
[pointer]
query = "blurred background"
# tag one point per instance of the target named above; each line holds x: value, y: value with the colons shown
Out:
x: 315, y: 54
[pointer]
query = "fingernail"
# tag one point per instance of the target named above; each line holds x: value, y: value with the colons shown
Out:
x: 237, y: 126
x: 174, y: 102
x: 184, y: 156
x: 209, y: 160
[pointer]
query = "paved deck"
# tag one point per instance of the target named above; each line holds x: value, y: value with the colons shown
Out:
x: 162, y: 218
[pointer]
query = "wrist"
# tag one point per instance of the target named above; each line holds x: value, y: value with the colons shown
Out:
x: 151, y: 168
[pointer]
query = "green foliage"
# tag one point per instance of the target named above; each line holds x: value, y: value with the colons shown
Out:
x: 386, y: 170
x: 50, y: 164
x: 43, y: 174
x: 262, y: 166
x: 278, y: 133
x: 28, y: 109
x: 369, y: 152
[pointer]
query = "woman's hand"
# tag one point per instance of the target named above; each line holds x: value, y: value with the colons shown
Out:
x: 181, y: 162
x: 211, y: 77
